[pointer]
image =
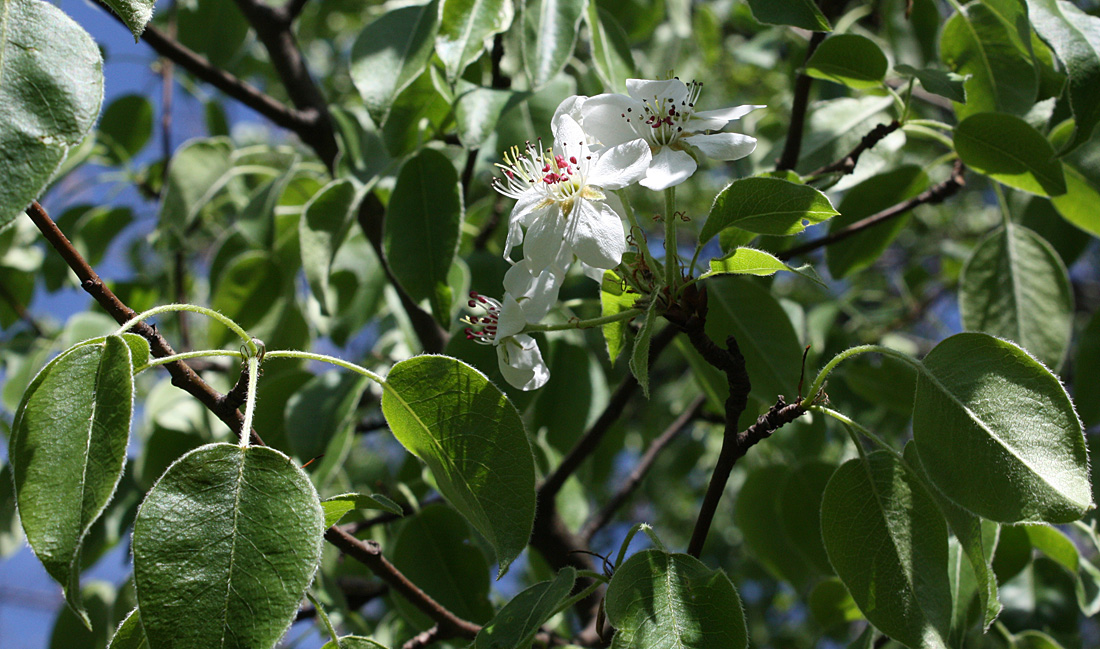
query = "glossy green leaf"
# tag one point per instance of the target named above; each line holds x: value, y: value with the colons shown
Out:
x: 471, y: 437
x: 321, y: 409
x: 1015, y: 286
x: 799, y: 501
x: 750, y: 261
x: 11, y: 532
x: 135, y: 13
x: 72, y: 631
x: 337, y: 507
x: 758, y: 516
x: 435, y: 551
x: 464, y: 26
x: 67, y: 451
x: 614, y: 298
x: 550, y: 29
x: 1075, y: 37
x: 326, y: 220
x: 417, y: 115
x: 1086, y: 383
x: 206, y: 27
x: 1034, y: 640
x: 477, y: 111
x: 658, y: 600
x: 939, y: 82
x: 517, y: 623
x: 353, y: 642
x: 224, y: 547
x: 130, y: 634
x: 982, y: 405
x: 421, y: 229
x: 877, y: 193
x: 610, y: 49
x: 639, y: 356
x: 1056, y: 545
x: 849, y: 59
x: 796, y: 13
x: 51, y: 87
x: 887, y: 541
x: 126, y: 126
x: 197, y: 172
x: 1082, y: 171
x: 766, y: 206
x: 982, y: 43
x: 390, y: 53
x: 1013, y: 552
x: 1009, y: 150
x: 835, y: 126
x: 248, y: 292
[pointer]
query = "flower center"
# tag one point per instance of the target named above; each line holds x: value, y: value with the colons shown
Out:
x: 662, y: 120
x: 483, y: 328
x: 556, y: 176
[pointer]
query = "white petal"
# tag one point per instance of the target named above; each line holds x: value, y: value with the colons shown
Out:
x: 570, y: 106
x: 511, y: 320
x: 647, y: 90
x: 527, y: 208
x: 604, y: 117
x: 536, y: 293
x: 723, y: 146
x: 620, y: 165
x: 668, y: 168
x: 569, y: 136
x: 544, y: 239
x: 521, y: 363
x: 597, y: 235
x: 716, y: 119
x: 515, y: 237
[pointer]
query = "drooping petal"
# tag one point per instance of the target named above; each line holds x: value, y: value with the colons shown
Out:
x: 672, y: 90
x: 669, y: 167
x: 511, y: 320
x: 521, y: 364
x: 621, y: 165
x: 544, y: 239
x: 536, y: 292
x: 612, y: 119
x: 723, y: 146
x: 569, y: 136
x: 596, y: 236
x: 706, y: 120
x: 515, y: 237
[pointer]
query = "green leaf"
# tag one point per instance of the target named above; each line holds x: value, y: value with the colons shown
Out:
x: 471, y: 437
x: 1056, y: 545
x: 766, y: 206
x: 464, y: 27
x: 72, y: 631
x: 418, y: 113
x: 799, y: 502
x: 517, y: 623
x: 938, y: 82
x: 610, y: 49
x: 51, y: 88
x: 126, y: 126
x: 206, y: 27
x: 1082, y: 171
x: 224, y: 547
x: 550, y: 29
x: 1086, y: 383
x: 135, y: 13
x: 326, y: 220
x: 750, y: 261
x: 68, y: 449
x: 614, y: 298
x: 130, y: 634
x: 982, y: 43
x: 353, y: 642
x: 887, y: 541
x: 198, y: 171
x: 477, y: 111
x: 573, y: 398
x: 639, y: 357
x: 849, y: 59
x: 1013, y: 552
x: 421, y: 229
x: 11, y: 532
x: 832, y: 605
x: 877, y: 193
x: 836, y: 126
x: 390, y: 53
x: 796, y: 13
x: 321, y: 409
x: 337, y: 507
x: 1011, y: 151
x: 248, y: 291
x: 1075, y: 38
x: 1034, y: 640
x: 757, y: 513
x: 658, y: 600
x: 1015, y: 286
x: 997, y: 433
x: 435, y: 551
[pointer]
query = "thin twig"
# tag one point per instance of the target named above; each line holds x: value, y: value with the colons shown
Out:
x: 20, y: 310
x: 801, y: 101
x: 935, y: 194
x: 847, y: 164
x: 636, y: 476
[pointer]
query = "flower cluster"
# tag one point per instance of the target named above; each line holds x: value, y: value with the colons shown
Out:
x: 565, y: 210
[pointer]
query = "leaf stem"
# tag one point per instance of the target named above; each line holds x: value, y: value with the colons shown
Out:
x: 643, y: 246
x: 210, y: 313
x: 584, y: 324
x: 202, y: 353
x: 819, y: 382
x: 851, y: 424
x: 250, y: 400
x: 332, y: 360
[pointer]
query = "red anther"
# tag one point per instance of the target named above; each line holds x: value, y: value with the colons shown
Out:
x: 482, y: 300
x: 546, y: 168
x: 573, y: 159
x: 474, y: 294
x: 508, y: 172
x: 472, y: 304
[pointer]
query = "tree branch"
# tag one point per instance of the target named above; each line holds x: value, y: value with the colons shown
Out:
x: 294, y: 8
x: 20, y: 310
x: 793, y: 146
x: 847, y: 164
x: 597, y: 522
x: 934, y: 194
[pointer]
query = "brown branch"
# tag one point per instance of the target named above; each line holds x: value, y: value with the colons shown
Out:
x: 183, y: 376
x: 369, y: 554
x: 597, y: 522
x: 793, y: 146
x: 847, y: 164
x: 935, y: 194
x: 294, y: 8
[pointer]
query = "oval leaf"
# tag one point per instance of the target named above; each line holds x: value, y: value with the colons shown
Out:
x: 130, y: 634
x: 135, y: 13
x: 224, y: 547
x: 853, y: 60
x: 51, y: 88
x: 550, y: 29
x: 1011, y: 151
x: 766, y: 206
x: 517, y: 623
x: 463, y: 28
x: 887, y: 542
x: 1015, y: 286
x: 471, y: 437
x: 336, y: 507
x: 757, y: 513
x: 658, y: 600
x: 422, y: 226
x: 197, y: 171
x: 750, y: 261
x: 799, y: 502
x: 68, y: 449
x: 126, y: 126
x: 997, y: 433
x: 325, y: 222
x: 796, y: 13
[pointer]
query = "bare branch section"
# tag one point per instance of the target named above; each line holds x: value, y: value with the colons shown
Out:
x: 801, y: 101
x: 847, y: 164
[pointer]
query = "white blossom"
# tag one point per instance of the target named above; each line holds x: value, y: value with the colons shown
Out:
x: 518, y: 354
x: 662, y: 114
